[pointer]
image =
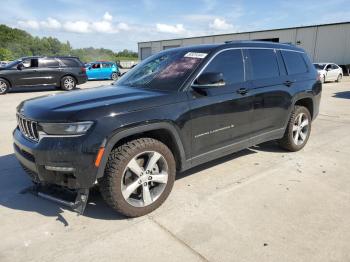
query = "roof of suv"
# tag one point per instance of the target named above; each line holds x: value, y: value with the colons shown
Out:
x: 26, y: 57
x: 238, y: 44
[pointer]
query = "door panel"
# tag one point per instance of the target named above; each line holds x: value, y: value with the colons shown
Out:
x: 220, y: 115
x: 95, y: 71
x: 270, y: 91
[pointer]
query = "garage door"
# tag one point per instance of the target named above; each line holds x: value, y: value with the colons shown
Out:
x: 145, y: 52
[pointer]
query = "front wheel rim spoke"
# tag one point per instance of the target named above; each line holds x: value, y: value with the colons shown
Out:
x: 146, y: 195
x: 135, y: 167
x: 304, y: 123
x: 130, y: 189
x: 153, y: 160
x: 160, y: 178
x: 296, y: 137
x: 302, y: 136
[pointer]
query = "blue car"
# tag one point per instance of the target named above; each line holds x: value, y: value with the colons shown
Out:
x: 102, y: 70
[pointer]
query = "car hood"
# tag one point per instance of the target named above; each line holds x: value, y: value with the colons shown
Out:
x: 66, y: 106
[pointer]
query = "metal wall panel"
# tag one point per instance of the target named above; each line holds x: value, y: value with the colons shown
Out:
x: 331, y: 44
x: 306, y: 39
x: 285, y: 36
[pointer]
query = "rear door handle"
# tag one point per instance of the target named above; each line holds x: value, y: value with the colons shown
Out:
x: 242, y: 91
x: 288, y: 83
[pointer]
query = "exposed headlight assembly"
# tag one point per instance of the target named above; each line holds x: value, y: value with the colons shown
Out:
x: 66, y: 129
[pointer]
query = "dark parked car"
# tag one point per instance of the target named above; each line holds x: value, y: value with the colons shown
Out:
x: 175, y: 110
x: 63, y: 72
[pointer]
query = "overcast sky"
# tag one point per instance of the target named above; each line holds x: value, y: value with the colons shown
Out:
x: 118, y: 24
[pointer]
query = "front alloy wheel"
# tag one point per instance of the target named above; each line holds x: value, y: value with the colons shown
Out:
x: 138, y: 177
x: 4, y: 86
x: 114, y: 76
x: 142, y: 183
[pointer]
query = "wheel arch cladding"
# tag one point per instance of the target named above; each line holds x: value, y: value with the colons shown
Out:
x: 164, y: 132
x: 8, y: 81
x: 76, y: 80
x: 308, y: 103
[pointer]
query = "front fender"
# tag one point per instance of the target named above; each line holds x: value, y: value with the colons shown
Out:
x: 113, y: 139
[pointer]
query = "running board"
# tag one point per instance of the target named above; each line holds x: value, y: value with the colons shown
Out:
x: 62, y: 196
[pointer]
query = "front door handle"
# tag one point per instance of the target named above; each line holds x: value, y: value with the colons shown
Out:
x: 242, y: 91
x: 288, y: 83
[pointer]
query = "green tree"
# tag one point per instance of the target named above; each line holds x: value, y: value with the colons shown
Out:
x: 17, y: 43
x: 5, y: 54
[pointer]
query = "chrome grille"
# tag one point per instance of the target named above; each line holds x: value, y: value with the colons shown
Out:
x: 28, y: 128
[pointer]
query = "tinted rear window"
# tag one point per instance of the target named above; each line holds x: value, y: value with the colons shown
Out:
x: 230, y: 63
x: 70, y: 62
x: 295, y: 62
x: 48, y: 62
x: 263, y: 63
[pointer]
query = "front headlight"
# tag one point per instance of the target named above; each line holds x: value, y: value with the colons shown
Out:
x: 78, y: 128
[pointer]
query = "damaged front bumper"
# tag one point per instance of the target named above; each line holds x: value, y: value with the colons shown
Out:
x: 64, y: 163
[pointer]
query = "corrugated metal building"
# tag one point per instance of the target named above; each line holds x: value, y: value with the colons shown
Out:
x: 324, y: 43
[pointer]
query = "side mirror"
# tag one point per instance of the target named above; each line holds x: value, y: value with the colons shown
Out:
x: 20, y: 66
x: 208, y: 80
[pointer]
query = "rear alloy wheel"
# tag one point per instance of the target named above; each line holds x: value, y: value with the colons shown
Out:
x: 68, y: 83
x: 138, y: 177
x: 114, y: 76
x: 298, y: 130
x: 4, y: 86
x: 339, y: 78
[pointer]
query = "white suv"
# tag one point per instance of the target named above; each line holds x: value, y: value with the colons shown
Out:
x: 329, y: 72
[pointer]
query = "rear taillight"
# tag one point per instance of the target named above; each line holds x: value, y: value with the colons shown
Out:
x: 83, y: 70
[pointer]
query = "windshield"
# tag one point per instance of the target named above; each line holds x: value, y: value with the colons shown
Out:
x: 13, y: 63
x: 166, y: 71
x: 319, y: 66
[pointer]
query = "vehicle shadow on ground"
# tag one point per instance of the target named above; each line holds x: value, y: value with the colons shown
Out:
x: 344, y: 95
x: 14, y: 183
x: 270, y: 146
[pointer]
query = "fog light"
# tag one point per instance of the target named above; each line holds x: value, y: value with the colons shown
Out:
x: 60, y: 168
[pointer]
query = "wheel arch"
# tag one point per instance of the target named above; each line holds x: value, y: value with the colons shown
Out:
x: 8, y: 80
x: 306, y: 102
x: 163, y: 131
x: 75, y: 78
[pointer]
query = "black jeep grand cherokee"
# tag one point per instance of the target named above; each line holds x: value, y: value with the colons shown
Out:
x: 64, y: 72
x: 177, y: 109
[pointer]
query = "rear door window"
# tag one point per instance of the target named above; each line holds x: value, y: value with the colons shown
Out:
x: 263, y: 63
x: 295, y: 62
x: 69, y: 62
x: 48, y: 62
x: 230, y: 63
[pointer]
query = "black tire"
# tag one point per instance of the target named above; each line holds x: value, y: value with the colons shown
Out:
x: 339, y: 78
x: 4, y: 86
x: 68, y: 83
x: 288, y: 142
x: 114, y: 76
x: 115, y: 175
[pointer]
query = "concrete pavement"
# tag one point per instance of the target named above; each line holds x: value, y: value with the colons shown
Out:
x: 261, y: 204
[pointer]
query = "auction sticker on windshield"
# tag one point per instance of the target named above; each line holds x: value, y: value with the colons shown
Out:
x: 196, y: 55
